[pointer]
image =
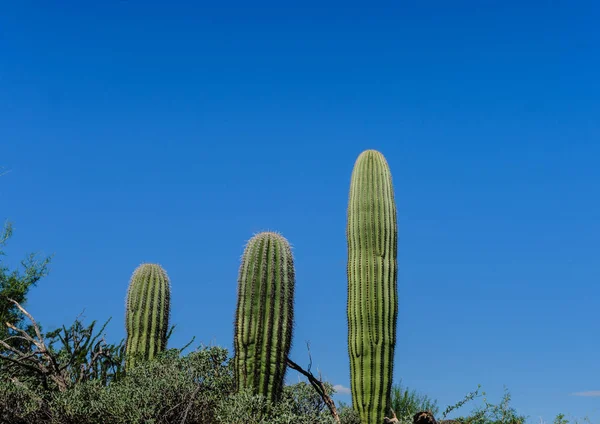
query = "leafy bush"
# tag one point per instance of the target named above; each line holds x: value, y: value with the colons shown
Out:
x: 15, y: 285
x: 406, y: 403
x: 488, y: 413
x: 348, y: 415
x: 300, y: 404
x: 168, y: 389
x: 195, y: 389
x: 59, y: 359
x: 20, y: 404
x: 165, y: 390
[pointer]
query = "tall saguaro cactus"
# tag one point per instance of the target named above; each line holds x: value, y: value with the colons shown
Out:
x: 372, y: 285
x: 147, y: 313
x: 264, y: 315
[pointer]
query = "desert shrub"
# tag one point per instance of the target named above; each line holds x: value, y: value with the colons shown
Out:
x: 15, y: 284
x: 406, y: 403
x: 169, y: 389
x: 300, y: 404
x: 165, y: 390
x: 560, y: 419
x: 347, y: 414
x: 489, y: 413
x: 196, y: 389
x: 58, y: 360
x: 21, y: 405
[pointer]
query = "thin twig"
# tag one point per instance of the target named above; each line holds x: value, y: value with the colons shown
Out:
x: 187, y: 410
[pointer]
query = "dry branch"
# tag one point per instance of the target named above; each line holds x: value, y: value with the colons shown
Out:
x: 319, y: 387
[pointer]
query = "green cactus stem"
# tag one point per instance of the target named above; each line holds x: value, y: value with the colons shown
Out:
x: 147, y: 314
x: 264, y: 315
x: 372, y: 286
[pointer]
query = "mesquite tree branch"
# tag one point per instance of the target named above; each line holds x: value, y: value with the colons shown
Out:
x: 82, y: 355
x: 318, y: 385
x: 40, y: 360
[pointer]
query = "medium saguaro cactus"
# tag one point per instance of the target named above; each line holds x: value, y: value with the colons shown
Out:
x: 372, y: 285
x: 264, y: 315
x: 147, y: 313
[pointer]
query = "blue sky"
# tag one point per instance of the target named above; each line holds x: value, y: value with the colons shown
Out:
x: 171, y: 133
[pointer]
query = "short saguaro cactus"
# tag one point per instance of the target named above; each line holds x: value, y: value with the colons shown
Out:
x: 147, y: 314
x: 264, y: 315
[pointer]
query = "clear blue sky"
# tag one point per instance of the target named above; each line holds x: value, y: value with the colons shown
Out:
x: 169, y: 132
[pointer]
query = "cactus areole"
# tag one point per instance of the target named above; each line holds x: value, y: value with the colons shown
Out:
x: 264, y: 315
x: 147, y: 314
x: 372, y: 286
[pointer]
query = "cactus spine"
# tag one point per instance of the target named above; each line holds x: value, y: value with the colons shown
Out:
x: 372, y: 285
x: 264, y: 315
x: 147, y: 313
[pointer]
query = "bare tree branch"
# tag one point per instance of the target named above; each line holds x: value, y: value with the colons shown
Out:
x: 78, y: 342
x: 38, y: 333
x: 318, y: 386
x: 191, y: 402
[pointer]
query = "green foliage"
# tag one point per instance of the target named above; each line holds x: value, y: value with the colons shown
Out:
x: 372, y: 289
x: 165, y: 390
x: 264, y: 315
x: 467, y: 398
x: 488, y: 413
x: 64, y: 358
x: 85, y: 353
x: 147, y: 313
x: 15, y: 285
x: 560, y: 419
x: 20, y: 404
x: 194, y: 389
x: 348, y: 414
x: 299, y: 404
x: 406, y: 402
